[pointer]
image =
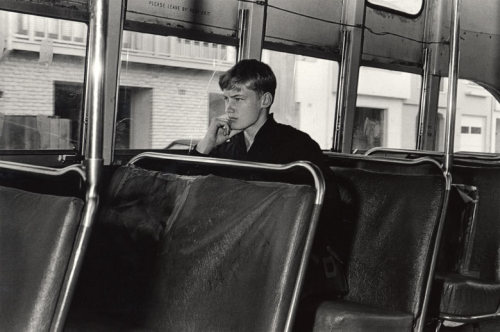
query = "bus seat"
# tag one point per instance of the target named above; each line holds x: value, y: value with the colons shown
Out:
x: 36, y: 237
x: 357, y: 317
x: 485, y: 257
x: 458, y: 230
x: 474, y: 290
x: 465, y: 296
x: 394, y: 209
x: 198, y: 253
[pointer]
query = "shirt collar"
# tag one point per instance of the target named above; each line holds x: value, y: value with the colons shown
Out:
x: 264, y: 134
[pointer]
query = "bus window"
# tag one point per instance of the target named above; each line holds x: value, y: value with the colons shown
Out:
x: 386, y: 109
x: 41, y: 82
x: 477, y: 122
x: 305, y: 95
x: 168, y: 90
x: 410, y: 7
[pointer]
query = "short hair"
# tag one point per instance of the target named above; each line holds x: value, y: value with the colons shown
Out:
x: 253, y: 74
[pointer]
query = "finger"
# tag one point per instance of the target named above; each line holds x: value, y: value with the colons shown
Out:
x: 227, y: 129
x: 224, y: 127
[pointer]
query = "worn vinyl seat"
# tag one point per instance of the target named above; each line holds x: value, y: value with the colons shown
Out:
x: 36, y: 237
x: 474, y: 289
x: 467, y: 283
x: 466, y: 296
x: 393, y: 217
x: 197, y: 253
x: 353, y: 317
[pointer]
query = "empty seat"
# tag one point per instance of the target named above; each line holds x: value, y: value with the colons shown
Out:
x: 198, y: 253
x: 473, y: 292
x: 393, y: 210
x: 467, y: 285
x: 465, y: 296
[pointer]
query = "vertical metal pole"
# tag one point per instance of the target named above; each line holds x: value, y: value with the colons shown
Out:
x: 435, y: 14
x: 252, y: 27
x: 352, y: 48
x: 452, y: 86
x: 448, y: 151
x: 341, y: 95
x: 423, y: 102
x: 116, y: 18
x: 242, y: 34
x: 83, y: 148
x: 94, y: 162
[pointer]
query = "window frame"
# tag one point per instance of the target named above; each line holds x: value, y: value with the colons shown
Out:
x: 377, y: 6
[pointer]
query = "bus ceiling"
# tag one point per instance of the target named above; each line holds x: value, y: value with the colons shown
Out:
x: 391, y: 39
x: 395, y: 33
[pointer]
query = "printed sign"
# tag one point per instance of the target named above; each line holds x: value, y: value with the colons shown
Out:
x: 218, y: 14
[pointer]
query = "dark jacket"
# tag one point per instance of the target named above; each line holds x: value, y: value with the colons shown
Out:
x: 274, y: 143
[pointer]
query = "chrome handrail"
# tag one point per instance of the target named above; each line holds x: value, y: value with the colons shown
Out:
x: 319, y: 181
x: 472, y: 157
x: 451, y: 111
x: 93, y: 148
x: 469, y: 319
x: 363, y: 157
x: 43, y: 170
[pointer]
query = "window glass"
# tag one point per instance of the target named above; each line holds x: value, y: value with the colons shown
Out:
x: 386, y: 114
x: 41, y: 79
x: 477, y: 118
x: 305, y: 95
x: 168, y: 90
x: 411, y: 7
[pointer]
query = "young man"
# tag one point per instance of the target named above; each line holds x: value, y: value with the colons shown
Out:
x: 248, y: 131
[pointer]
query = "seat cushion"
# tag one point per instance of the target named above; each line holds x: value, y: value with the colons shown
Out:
x: 465, y: 296
x: 37, y: 232
x: 352, y: 317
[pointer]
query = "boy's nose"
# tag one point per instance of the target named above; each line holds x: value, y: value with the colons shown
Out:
x: 229, y: 108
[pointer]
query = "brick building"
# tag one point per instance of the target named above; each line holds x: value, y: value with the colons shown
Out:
x: 168, y: 85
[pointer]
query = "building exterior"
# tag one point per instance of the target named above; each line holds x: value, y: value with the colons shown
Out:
x: 169, y: 91
x: 166, y: 83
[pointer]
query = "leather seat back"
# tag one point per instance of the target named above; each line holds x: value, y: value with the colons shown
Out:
x: 36, y: 237
x: 180, y: 253
x: 485, y: 257
x: 390, y: 213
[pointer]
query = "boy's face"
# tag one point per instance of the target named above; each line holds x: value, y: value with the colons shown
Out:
x: 243, y: 107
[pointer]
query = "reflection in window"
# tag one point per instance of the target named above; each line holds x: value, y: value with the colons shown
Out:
x: 305, y: 95
x: 411, y: 7
x: 168, y: 90
x: 41, y: 82
x: 368, y: 128
x: 68, y: 98
x: 398, y: 97
x: 477, y: 128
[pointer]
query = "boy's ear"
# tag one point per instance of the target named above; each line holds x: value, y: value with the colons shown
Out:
x: 266, y: 100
